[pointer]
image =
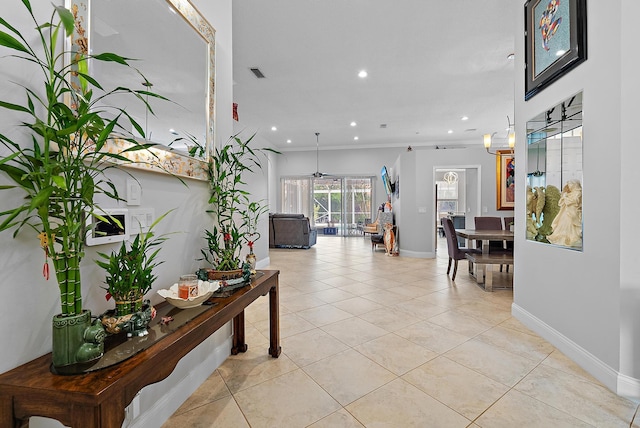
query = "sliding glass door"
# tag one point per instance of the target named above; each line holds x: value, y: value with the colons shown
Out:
x: 335, y: 205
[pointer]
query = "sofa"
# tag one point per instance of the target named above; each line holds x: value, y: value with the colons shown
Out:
x: 291, y: 231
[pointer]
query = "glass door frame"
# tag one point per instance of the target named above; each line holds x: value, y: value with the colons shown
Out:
x: 343, y: 226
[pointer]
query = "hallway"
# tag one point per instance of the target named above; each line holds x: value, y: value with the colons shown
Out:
x: 376, y: 341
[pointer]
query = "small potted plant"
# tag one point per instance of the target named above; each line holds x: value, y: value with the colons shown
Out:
x: 129, y: 276
x: 252, y: 215
x: 235, y: 216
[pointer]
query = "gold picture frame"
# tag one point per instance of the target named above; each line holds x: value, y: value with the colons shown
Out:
x: 505, y: 179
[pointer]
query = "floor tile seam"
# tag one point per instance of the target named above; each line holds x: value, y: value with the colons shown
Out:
x: 510, y: 388
x: 336, y: 338
x: 433, y: 398
x: 511, y: 352
x: 450, y: 330
x: 489, y: 305
x: 590, y: 380
x: 344, y: 406
x: 515, y: 387
x: 363, y: 313
x: 535, y: 361
x: 478, y: 319
x: 351, y: 402
x: 297, y: 367
x: 530, y: 333
x: 351, y: 347
x: 322, y: 325
x: 636, y: 415
x: 549, y: 404
x: 471, y: 421
x: 397, y: 375
x: 484, y: 375
x: 207, y: 403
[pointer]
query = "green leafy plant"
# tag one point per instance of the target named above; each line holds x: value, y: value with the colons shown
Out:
x: 235, y: 215
x: 129, y: 270
x: 61, y: 169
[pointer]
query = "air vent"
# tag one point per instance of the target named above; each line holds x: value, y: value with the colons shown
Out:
x: 470, y: 130
x: 256, y: 71
x: 383, y: 125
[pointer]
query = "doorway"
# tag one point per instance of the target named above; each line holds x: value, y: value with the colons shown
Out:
x: 457, y: 196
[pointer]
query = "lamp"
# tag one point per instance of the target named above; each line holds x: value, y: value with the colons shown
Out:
x: 451, y: 177
x: 511, y: 139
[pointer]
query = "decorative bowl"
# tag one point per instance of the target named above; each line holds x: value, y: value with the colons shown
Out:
x: 205, y: 290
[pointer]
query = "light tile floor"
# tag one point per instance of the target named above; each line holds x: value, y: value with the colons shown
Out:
x: 376, y: 341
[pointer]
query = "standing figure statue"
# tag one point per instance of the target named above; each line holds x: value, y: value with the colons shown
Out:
x: 567, y: 226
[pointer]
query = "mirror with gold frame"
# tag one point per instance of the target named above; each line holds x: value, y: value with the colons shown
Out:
x: 554, y: 175
x: 173, y: 46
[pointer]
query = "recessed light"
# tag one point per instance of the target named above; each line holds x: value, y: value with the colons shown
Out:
x: 273, y: 128
x: 362, y: 74
x: 464, y: 118
x: 356, y: 138
x: 511, y: 56
x: 450, y: 131
x: 173, y: 131
x: 353, y: 124
x: 288, y: 141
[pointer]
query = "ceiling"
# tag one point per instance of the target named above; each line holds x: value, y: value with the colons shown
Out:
x: 429, y: 63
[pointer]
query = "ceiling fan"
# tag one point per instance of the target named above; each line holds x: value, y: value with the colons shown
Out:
x: 318, y: 174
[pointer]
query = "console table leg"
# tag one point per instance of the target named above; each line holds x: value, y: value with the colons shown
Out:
x: 239, y: 344
x: 274, y: 322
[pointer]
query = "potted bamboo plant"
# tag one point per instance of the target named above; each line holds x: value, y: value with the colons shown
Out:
x: 235, y: 215
x: 129, y: 277
x: 61, y: 168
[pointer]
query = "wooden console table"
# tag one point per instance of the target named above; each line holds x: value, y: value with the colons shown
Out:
x: 98, y: 399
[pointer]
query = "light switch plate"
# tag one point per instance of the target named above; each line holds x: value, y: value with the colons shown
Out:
x: 141, y: 219
x: 134, y: 192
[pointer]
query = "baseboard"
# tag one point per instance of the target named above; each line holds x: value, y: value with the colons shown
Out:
x: 628, y: 386
x: 263, y: 263
x: 620, y: 384
x: 177, y: 391
x: 417, y: 254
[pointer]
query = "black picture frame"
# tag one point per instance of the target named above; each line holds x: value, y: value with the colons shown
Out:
x: 565, y: 28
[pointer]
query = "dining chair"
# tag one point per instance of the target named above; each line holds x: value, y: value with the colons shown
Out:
x: 455, y: 252
x: 508, y: 221
x: 492, y: 223
x: 508, y: 245
x: 489, y: 223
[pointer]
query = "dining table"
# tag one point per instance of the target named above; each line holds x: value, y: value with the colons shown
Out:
x: 483, y: 267
x: 473, y: 235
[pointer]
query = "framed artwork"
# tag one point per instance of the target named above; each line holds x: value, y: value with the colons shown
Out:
x: 555, y: 41
x: 505, y: 179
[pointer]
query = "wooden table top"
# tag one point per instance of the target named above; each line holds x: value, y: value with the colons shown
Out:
x: 497, y: 235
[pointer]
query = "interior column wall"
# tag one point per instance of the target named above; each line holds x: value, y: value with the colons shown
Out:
x: 629, y: 206
x: 572, y: 298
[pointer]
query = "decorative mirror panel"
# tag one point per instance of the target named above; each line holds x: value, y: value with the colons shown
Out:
x: 554, y: 175
x: 174, y: 48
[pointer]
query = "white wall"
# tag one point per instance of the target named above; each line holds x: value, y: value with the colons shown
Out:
x: 367, y: 162
x: 629, y: 207
x: 586, y: 303
x: 423, y: 195
x: 30, y: 302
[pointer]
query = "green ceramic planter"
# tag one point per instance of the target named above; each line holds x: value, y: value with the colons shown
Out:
x: 77, y: 343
